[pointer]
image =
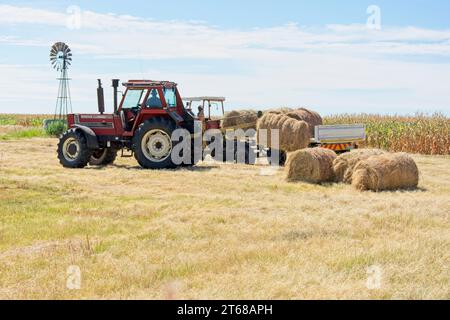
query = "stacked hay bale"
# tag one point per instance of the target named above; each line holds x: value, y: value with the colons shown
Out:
x: 312, y: 118
x: 386, y: 172
x: 293, y: 134
x: 296, y: 127
x: 344, y: 164
x: 311, y: 165
x: 243, y: 119
x: 282, y: 110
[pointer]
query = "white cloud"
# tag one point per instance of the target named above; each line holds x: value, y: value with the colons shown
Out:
x: 345, y: 66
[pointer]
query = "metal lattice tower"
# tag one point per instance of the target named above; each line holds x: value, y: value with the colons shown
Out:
x: 61, y: 59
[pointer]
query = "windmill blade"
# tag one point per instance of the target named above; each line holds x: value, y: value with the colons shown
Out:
x: 60, y: 56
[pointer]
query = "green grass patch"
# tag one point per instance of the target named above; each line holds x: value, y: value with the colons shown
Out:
x: 24, y: 134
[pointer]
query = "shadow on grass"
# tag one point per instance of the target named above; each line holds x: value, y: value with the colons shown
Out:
x: 128, y: 167
x: 405, y: 190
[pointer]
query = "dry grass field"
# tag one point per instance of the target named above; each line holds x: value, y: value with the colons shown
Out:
x: 214, y: 231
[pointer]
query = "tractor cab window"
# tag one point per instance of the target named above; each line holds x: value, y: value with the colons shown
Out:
x: 215, y: 111
x: 133, y: 99
x: 153, y: 101
x: 171, y: 97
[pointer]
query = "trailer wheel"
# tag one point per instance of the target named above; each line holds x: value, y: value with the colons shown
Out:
x: 72, y: 149
x: 152, y: 144
x: 282, y: 157
x: 103, y: 157
x: 248, y: 158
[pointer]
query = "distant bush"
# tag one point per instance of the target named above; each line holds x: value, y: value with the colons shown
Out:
x: 56, y: 128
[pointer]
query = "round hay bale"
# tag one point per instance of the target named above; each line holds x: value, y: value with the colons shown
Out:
x: 244, y: 119
x: 311, y: 165
x: 344, y: 164
x: 312, y: 118
x: 282, y: 110
x: 293, y: 134
x: 268, y: 121
x: 386, y: 172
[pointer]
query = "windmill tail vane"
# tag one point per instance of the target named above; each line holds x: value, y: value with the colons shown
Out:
x: 61, y: 59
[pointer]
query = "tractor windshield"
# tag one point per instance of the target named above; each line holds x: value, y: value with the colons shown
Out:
x: 215, y: 112
x: 132, y: 99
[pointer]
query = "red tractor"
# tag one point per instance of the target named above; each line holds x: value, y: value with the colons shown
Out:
x: 142, y: 124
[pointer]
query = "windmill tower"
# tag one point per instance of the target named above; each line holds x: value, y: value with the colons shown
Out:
x: 61, y: 59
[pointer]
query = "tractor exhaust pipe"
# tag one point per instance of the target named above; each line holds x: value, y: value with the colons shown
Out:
x: 100, y: 97
x: 115, y: 85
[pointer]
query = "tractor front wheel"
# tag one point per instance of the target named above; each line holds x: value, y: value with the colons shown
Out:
x: 72, y: 149
x: 103, y: 157
x: 152, y: 144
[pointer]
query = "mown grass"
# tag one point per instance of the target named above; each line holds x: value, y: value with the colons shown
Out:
x: 421, y: 133
x: 215, y: 231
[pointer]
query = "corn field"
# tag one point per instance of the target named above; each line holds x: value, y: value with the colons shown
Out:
x: 24, y: 120
x: 424, y: 134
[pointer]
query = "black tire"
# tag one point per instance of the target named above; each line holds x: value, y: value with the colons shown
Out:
x: 73, y: 151
x: 193, y: 163
x: 250, y: 160
x: 143, y: 156
x: 282, y: 157
x: 103, y: 157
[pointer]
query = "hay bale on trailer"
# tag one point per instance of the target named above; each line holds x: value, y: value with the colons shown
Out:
x: 312, y: 118
x: 282, y: 110
x: 293, y: 134
x: 311, y: 165
x: 386, y: 172
x: 244, y: 119
x: 344, y: 164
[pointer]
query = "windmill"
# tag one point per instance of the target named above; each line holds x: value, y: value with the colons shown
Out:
x: 61, y: 59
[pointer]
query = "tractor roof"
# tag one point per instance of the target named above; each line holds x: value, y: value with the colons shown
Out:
x: 149, y: 84
x: 206, y: 98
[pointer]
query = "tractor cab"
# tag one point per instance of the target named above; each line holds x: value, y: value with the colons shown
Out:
x: 143, y: 99
x: 210, y: 110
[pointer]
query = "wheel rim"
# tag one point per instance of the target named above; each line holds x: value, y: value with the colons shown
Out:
x: 156, y: 145
x: 71, y: 149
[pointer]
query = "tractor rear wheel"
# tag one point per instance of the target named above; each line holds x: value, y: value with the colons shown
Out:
x: 72, y: 149
x: 103, y: 157
x: 152, y: 144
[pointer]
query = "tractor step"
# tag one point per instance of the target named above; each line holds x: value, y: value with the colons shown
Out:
x: 123, y: 155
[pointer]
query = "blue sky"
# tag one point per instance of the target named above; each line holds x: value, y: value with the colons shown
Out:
x: 259, y: 54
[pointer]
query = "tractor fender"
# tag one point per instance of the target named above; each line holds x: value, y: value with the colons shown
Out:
x: 91, y: 137
x: 175, y: 116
